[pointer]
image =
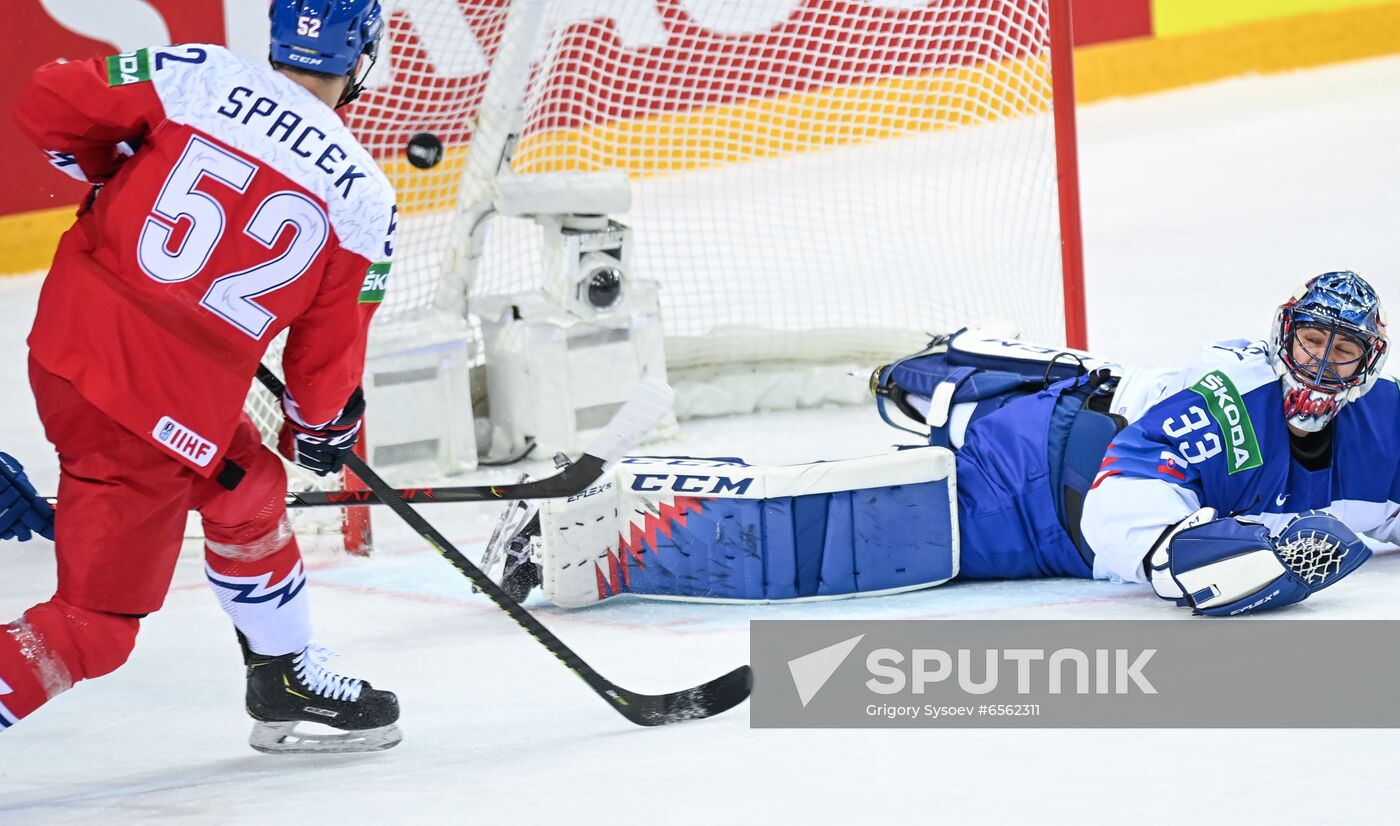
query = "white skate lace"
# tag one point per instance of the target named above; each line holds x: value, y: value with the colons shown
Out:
x: 310, y: 669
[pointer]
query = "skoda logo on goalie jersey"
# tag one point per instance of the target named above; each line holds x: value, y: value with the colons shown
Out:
x: 1230, y: 415
x: 1230, y: 431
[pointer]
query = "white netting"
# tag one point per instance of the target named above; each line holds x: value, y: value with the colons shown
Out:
x: 316, y: 528
x: 810, y: 178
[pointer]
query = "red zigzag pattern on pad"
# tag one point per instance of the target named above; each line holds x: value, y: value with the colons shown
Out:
x: 631, y: 549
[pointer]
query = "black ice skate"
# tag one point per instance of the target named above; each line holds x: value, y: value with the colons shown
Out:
x: 511, y: 557
x: 522, y: 572
x: 297, y: 688
x: 508, y: 558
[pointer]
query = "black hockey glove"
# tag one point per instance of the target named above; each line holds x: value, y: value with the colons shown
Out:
x: 323, y: 449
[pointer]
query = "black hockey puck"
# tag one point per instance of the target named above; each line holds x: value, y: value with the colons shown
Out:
x: 424, y: 150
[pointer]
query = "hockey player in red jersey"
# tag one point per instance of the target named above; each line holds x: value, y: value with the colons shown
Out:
x: 229, y: 203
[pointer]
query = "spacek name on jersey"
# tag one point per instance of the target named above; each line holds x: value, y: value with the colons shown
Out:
x: 285, y: 125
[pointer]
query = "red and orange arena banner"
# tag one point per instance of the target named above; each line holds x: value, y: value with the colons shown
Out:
x: 1122, y: 47
x: 1135, y: 47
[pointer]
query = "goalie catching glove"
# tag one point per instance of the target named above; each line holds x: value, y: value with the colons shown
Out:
x: 321, y: 449
x: 1223, y: 567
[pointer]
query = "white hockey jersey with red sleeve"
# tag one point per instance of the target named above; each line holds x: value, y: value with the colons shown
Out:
x: 236, y: 204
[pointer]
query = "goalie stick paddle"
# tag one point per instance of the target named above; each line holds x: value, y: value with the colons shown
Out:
x: 642, y: 411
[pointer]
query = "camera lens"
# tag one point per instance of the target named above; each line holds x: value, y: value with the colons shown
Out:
x: 604, y: 287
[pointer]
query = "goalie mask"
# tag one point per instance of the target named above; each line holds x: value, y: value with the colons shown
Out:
x: 1329, y: 344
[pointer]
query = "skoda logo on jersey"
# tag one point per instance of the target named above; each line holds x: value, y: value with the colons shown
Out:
x: 129, y: 67
x: 1228, y: 410
x: 376, y: 282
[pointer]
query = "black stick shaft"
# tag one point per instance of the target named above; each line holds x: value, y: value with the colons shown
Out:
x: 565, y: 483
x: 687, y: 704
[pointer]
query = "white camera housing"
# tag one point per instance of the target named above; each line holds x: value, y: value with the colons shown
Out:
x: 587, y: 262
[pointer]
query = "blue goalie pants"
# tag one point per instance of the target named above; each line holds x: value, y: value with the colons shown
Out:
x: 1014, y: 470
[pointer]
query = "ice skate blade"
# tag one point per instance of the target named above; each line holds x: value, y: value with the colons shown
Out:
x: 283, y: 738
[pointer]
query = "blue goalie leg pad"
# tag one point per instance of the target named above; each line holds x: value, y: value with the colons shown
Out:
x: 796, y: 547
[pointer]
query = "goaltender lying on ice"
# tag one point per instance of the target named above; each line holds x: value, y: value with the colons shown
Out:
x: 1236, y: 483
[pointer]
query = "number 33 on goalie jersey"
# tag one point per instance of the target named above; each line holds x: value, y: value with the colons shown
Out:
x: 235, y: 204
x: 1223, y: 442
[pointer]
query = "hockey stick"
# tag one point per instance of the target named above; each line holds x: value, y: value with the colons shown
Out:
x: 706, y: 700
x: 620, y: 434
x: 571, y: 480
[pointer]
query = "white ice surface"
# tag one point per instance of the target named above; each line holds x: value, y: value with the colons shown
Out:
x: 1202, y: 208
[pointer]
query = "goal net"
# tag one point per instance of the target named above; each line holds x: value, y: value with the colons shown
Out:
x: 811, y: 180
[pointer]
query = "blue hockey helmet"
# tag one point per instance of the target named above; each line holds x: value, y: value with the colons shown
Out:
x: 327, y: 36
x: 1318, y: 379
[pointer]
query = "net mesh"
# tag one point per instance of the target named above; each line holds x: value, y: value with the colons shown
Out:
x: 815, y: 180
x: 317, y: 529
x: 811, y: 179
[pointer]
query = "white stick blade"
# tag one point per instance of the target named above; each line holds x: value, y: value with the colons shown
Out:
x: 630, y: 425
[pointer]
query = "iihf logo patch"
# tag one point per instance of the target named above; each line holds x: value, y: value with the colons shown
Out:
x: 184, y: 441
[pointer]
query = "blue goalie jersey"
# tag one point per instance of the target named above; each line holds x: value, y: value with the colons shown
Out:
x: 1224, y: 442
